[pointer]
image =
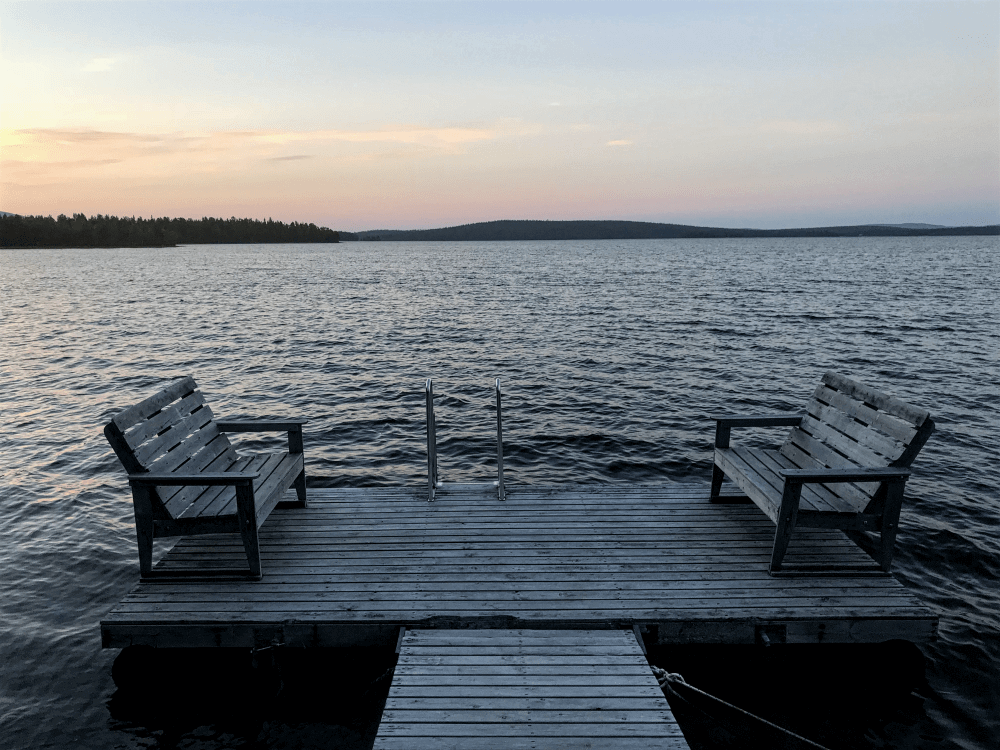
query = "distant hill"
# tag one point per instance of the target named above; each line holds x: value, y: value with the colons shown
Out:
x: 492, y: 231
x: 6, y: 213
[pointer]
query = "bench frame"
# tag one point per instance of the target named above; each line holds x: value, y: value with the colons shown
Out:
x: 170, y: 464
x: 774, y: 480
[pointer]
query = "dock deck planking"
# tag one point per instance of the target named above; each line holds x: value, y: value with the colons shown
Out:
x: 358, y: 563
x: 525, y: 689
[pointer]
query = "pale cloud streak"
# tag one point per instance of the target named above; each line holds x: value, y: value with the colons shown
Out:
x: 46, y: 154
x: 100, y: 65
x: 415, y: 135
x: 619, y: 143
x: 805, y: 127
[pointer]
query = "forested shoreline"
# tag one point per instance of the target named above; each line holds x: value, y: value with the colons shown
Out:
x: 112, y: 231
x: 129, y: 231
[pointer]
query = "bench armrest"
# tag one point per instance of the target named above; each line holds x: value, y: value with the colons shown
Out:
x: 260, y: 425
x: 194, y: 480
x: 787, y: 419
x: 292, y: 426
x: 725, y: 423
x: 812, y: 476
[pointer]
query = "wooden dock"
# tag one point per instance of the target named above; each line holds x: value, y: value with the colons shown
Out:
x: 357, y: 564
x: 520, y: 689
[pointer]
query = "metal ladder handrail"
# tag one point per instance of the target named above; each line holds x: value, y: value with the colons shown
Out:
x: 501, y: 490
x: 432, y: 459
x: 433, y: 482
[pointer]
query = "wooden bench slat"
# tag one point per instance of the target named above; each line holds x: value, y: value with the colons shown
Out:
x: 814, y: 496
x: 881, y: 421
x: 822, y: 455
x: 214, y: 501
x: 179, y: 498
x: 217, y: 454
x: 224, y: 503
x: 882, y: 401
x: 174, y: 435
x: 802, y: 444
x: 756, y: 486
x: 886, y: 446
x: 810, y: 500
x: 851, y: 448
x: 143, y: 431
x: 144, y: 409
x: 765, y: 476
x: 849, y: 492
x: 203, y: 438
x: 264, y: 491
x: 285, y: 470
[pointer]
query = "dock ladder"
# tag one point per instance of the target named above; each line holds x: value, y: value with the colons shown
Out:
x: 434, y: 482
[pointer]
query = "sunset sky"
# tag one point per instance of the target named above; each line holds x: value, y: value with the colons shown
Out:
x: 410, y: 115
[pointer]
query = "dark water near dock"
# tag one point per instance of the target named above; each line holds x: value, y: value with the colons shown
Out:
x: 612, y: 356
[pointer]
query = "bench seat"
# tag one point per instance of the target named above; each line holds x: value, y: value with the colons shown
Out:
x: 758, y: 473
x: 273, y: 470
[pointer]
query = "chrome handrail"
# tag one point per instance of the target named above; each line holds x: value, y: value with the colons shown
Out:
x: 432, y: 459
x: 501, y: 491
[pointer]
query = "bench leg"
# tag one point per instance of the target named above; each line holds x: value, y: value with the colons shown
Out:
x: 246, y: 512
x: 717, y: 476
x: 722, y: 432
x: 787, y: 515
x: 143, y: 506
x: 300, y: 488
x: 295, y: 447
x: 890, y: 523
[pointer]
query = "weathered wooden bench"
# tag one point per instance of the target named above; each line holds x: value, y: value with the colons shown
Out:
x: 187, y: 478
x: 843, y: 465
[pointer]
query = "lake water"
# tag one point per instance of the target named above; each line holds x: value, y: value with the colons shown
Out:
x: 612, y: 355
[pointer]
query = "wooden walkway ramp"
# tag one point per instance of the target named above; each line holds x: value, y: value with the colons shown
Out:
x: 519, y: 689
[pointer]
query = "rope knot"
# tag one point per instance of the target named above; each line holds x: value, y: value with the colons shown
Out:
x: 663, y: 676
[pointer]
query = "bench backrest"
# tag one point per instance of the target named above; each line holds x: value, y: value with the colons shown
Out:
x: 849, y: 424
x: 171, y: 431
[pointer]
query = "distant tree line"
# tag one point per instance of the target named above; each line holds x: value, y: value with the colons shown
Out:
x: 112, y: 231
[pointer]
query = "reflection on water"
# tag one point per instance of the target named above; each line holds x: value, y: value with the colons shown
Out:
x: 612, y: 356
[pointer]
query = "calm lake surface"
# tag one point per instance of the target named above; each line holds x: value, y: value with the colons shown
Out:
x: 612, y: 355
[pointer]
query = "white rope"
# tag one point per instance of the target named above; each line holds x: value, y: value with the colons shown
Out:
x: 663, y: 676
